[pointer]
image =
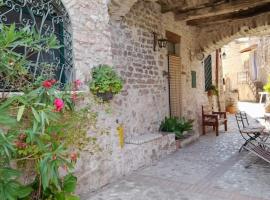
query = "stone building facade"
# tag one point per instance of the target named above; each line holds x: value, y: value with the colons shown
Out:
x: 120, y: 33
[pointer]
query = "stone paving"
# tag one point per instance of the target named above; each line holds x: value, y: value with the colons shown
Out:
x: 210, y: 169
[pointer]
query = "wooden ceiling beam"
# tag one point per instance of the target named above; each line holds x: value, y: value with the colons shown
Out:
x: 183, y: 5
x: 231, y: 16
x: 223, y: 8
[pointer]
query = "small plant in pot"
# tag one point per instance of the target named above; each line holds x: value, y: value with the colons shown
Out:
x: 105, y: 82
x: 178, y: 126
x: 230, y: 106
x: 212, y: 91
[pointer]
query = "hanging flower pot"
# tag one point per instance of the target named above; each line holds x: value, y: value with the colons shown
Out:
x: 105, y: 82
x: 107, y: 96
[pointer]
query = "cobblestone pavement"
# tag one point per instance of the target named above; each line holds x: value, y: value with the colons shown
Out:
x: 210, y: 169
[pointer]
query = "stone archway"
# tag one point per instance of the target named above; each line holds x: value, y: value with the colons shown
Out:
x: 214, y: 37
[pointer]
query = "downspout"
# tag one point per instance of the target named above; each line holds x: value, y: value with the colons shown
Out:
x: 217, y: 76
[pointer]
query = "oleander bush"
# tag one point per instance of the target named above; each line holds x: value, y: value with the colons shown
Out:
x: 41, y: 132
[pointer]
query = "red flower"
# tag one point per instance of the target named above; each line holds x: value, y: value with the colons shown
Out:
x: 59, y: 104
x: 73, y: 157
x: 53, y: 81
x: 77, y: 84
x: 49, y: 83
x: 20, y: 145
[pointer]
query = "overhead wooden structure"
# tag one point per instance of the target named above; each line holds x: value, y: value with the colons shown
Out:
x: 208, y: 12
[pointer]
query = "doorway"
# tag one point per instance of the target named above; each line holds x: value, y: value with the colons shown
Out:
x: 174, y: 69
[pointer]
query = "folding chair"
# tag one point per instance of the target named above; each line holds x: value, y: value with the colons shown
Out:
x: 249, y: 133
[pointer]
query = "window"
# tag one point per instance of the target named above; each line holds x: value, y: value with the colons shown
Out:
x: 45, y: 17
x: 208, y: 72
x: 193, y: 79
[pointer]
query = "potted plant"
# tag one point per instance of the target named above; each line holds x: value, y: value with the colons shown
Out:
x: 178, y: 126
x: 212, y: 91
x: 183, y: 126
x: 230, y: 107
x: 105, y: 82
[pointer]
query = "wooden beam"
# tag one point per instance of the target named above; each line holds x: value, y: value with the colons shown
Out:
x: 184, y: 6
x: 224, y: 8
x: 231, y: 16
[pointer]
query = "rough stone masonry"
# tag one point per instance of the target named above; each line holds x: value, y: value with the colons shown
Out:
x: 123, y: 38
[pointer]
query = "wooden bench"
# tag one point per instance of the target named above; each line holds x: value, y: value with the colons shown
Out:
x: 212, y: 118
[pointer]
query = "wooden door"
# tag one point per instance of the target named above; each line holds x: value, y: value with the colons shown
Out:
x: 175, y: 96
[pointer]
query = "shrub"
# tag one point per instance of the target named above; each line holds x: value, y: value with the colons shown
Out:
x: 266, y: 87
x: 37, y: 128
x: 213, y: 90
x: 176, y: 125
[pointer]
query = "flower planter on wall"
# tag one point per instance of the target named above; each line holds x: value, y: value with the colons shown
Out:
x: 105, y: 96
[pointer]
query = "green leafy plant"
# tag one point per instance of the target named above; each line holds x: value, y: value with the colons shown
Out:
x: 213, y: 90
x: 33, y: 125
x: 105, y: 80
x: 169, y: 124
x: 15, y: 66
x: 266, y: 87
x: 176, y: 125
x: 10, y: 188
x: 183, y: 125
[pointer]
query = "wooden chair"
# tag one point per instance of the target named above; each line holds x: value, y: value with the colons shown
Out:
x: 214, y: 119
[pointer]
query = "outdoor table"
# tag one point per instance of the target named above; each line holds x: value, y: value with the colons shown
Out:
x: 262, y: 94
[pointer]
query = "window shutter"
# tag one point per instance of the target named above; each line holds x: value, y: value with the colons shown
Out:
x: 208, y: 72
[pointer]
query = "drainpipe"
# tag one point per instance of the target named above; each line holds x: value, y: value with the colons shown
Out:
x: 217, y: 76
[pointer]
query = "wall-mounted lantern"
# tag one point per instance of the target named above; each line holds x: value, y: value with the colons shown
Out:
x: 224, y: 55
x: 162, y: 42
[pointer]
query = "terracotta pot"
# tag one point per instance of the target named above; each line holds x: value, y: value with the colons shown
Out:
x: 178, y: 144
x: 105, y: 96
x: 209, y: 93
x: 231, y: 109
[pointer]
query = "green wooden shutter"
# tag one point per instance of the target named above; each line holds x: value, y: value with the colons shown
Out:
x: 208, y: 72
x: 193, y: 79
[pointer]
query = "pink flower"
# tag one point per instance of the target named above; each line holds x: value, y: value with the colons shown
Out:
x: 77, y: 84
x: 59, y: 104
x: 74, y: 97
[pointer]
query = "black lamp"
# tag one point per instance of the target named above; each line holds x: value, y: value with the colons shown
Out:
x: 162, y: 43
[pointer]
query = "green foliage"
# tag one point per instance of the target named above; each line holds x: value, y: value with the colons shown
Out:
x: 169, y: 124
x: 67, y: 186
x: 176, y: 125
x: 34, y: 129
x: 14, y: 66
x: 10, y: 188
x: 104, y: 80
x: 213, y: 90
x: 266, y: 87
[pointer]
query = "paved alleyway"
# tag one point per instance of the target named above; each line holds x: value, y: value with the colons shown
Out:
x: 210, y: 169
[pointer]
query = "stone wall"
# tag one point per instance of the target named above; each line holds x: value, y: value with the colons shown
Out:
x: 143, y: 103
x: 91, y: 35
